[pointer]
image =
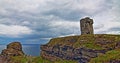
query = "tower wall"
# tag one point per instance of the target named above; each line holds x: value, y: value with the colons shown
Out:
x: 86, y: 25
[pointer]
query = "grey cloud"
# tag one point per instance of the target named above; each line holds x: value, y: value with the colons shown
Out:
x: 98, y: 26
x: 39, y: 16
x: 114, y: 29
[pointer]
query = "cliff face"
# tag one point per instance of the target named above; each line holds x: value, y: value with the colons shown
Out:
x: 82, y: 55
x: 13, y: 49
x: 80, y: 48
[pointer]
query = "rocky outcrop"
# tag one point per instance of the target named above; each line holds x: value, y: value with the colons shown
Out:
x: 83, y: 49
x: 13, y: 49
x: 86, y: 25
x: 82, y: 55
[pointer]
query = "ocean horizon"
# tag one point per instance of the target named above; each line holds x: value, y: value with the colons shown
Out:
x: 28, y: 49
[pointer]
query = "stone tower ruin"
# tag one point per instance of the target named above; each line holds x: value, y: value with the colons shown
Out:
x: 86, y: 25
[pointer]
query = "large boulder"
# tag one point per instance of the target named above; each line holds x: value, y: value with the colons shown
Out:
x: 13, y: 49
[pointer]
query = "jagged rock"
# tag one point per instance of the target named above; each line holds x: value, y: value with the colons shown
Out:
x: 86, y: 25
x: 82, y: 55
x: 13, y: 49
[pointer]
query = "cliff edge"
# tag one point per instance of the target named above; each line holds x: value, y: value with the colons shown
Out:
x: 84, y: 48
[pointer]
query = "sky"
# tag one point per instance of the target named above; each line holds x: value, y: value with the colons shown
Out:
x: 37, y: 21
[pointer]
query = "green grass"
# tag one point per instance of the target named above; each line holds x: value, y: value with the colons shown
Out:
x: 87, y: 41
x: 104, y: 58
x: 66, y: 61
x: 40, y: 60
x: 63, y: 40
x: 97, y: 41
x: 21, y: 59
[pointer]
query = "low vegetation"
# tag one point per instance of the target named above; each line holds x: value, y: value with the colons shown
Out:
x: 106, y: 58
x: 21, y: 59
x: 97, y: 41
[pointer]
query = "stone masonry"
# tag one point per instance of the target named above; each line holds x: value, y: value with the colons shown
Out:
x: 86, y: 25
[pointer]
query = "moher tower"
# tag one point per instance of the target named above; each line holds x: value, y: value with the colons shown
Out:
x: 86, y: 25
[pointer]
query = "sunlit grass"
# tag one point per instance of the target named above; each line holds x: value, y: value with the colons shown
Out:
x: 104, y: 58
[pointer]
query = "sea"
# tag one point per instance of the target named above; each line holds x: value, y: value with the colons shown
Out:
x: 28, y: 49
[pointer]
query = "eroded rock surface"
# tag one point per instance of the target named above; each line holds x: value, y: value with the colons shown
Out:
x: 13, y: 49
x: 83, y: 55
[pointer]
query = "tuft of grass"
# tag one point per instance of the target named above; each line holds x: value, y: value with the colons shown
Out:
x: 104, y: 58
x: 19, y: 59
x: 40, y: 60
x: 69, y: 40
x: 66, y: 61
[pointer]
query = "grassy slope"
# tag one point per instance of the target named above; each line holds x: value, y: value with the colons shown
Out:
x: 105, y: 58
x: 98, y: 41
x: 21, y: 59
